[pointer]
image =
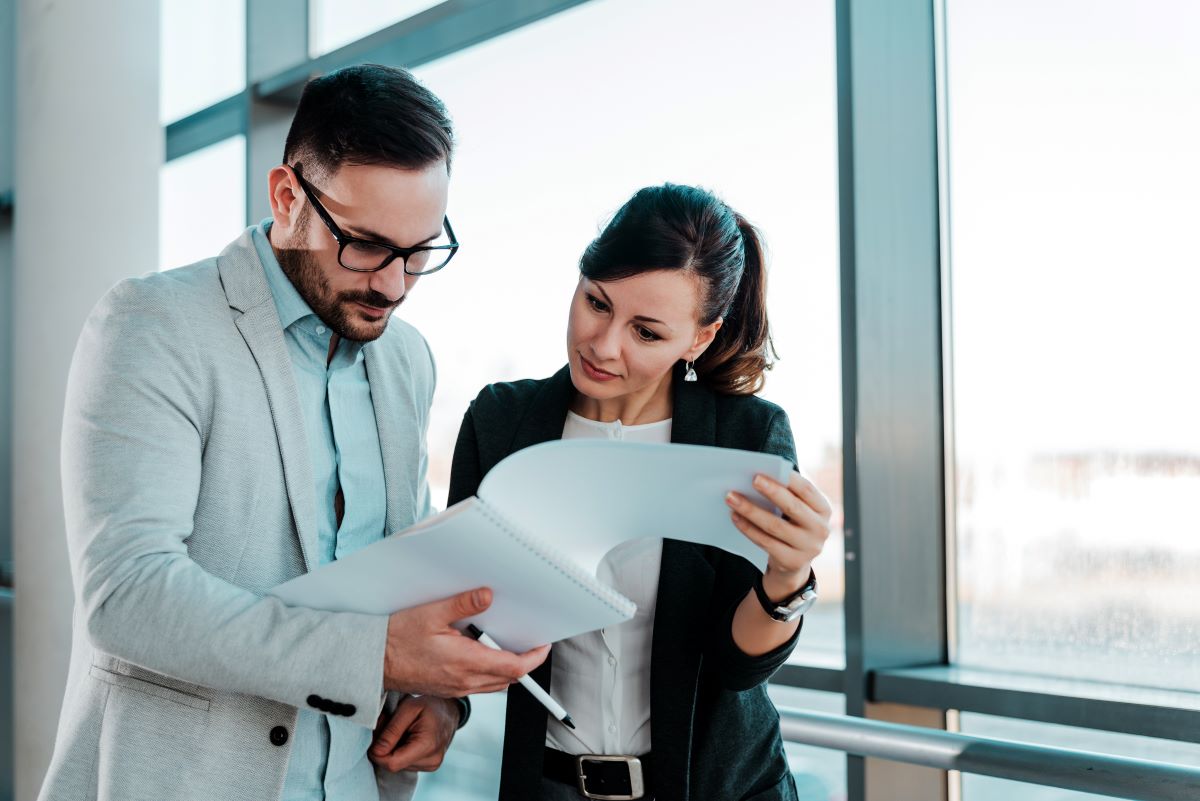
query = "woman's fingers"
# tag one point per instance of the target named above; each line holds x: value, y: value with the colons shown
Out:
x: 797, y: 498
x: 791, y: 529
x: 810, y: 494
x: 791, y: 541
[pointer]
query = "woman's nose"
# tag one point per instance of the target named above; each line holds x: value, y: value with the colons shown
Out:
x: 606, y: 344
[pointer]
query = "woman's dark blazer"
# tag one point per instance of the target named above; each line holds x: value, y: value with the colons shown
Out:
x: 714, y: 732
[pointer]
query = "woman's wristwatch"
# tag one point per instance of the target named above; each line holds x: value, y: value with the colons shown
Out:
x: 791, y: 607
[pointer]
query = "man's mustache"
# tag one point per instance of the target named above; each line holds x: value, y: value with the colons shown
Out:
x: 372, y: 298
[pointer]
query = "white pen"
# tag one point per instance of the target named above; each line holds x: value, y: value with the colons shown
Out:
x: 534, y: 688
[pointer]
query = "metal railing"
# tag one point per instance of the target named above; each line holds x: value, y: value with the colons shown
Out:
x: 1082, y: 771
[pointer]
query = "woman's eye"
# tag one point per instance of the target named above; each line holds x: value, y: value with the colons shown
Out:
x: 646, y: 335
x: 596, y: 303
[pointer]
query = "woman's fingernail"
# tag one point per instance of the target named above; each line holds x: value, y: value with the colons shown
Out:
x: 731, y: 499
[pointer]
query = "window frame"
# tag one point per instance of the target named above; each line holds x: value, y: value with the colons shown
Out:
x: 896, y: 347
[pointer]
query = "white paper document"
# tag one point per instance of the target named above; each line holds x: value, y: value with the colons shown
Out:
x: 542, y: 521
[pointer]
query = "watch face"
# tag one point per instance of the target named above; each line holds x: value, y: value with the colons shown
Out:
x: 797, y: 607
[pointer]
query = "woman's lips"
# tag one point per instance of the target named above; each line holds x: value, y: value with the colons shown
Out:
x: 594, y: 372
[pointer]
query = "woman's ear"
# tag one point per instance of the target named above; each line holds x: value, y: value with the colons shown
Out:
x: 704, y: 338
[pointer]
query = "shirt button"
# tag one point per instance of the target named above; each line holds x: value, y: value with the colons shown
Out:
x: 612, y: 727
x: 612, y: 660
x: 320, y: 329
x: 279, y: 735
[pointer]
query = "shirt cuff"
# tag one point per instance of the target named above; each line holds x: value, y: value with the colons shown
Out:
x: 464, y: 711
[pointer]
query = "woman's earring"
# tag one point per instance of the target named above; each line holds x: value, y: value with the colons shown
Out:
x: 690, y: 375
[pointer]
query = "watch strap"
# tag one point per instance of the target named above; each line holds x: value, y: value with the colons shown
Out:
x: 777, y: 610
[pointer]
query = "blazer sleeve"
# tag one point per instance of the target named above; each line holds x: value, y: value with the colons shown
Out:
x: 734, y: 578
x: 466, y: 471
x: 132, y: 450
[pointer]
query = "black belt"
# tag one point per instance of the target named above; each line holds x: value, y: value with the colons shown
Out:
x: 603, y: 777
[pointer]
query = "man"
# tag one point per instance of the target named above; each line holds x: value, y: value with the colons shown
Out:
x: 235, y: 423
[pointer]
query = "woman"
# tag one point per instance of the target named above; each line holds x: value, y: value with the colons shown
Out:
x: 667, y: 341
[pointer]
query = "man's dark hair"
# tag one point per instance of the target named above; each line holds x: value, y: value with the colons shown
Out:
x: 368, y: 114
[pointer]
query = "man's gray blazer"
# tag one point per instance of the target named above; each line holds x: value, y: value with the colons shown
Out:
x: 188, y: 494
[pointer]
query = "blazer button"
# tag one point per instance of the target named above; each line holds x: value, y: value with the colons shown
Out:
x: 279, y: 735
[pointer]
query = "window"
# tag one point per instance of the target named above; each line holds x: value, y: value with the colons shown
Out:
x: 1073, y: 171
x: 202, y: 204
x: 334, y: 24
x: 203, y: 55
x: 556, y: 130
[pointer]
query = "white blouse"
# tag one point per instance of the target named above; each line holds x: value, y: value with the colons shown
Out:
x: 602, y: 678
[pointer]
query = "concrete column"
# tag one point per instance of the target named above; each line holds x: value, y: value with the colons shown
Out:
x: 88, y: 150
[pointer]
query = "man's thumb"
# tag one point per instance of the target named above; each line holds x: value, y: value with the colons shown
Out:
x: 469, y: 603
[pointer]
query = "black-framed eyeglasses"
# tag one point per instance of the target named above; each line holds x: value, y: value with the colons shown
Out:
x: 368, y: 256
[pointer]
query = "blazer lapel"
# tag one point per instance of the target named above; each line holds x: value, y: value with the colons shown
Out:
x: 525, y: 727
x: 401, y: 458
x: 547, y: 413
x: 249, y: 294
x: 680, y: 628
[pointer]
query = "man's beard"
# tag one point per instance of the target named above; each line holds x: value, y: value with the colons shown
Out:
x: 305, y: 273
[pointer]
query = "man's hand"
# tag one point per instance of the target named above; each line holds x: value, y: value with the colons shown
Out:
x: 417, y: 734
x: 427, y: 656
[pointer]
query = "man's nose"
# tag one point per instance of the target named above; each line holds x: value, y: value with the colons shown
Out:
x: 390, y: 281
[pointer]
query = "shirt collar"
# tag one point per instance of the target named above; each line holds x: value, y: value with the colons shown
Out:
x: 288, y: 303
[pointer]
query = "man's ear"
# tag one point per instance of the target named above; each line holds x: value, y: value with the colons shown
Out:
x: 704, y: 338
x: 284, y: 192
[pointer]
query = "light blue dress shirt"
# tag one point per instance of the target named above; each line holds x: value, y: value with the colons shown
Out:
x: 329, y: 756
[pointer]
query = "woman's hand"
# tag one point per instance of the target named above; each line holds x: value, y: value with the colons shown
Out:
x: 793, y: 541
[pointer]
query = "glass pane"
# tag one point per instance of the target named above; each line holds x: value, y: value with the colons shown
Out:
x: 1073, y: 169
x: 550, y: 161
x: 986, y: 788
x: 202, y: 203
x: 820, y: 774
x: 203, y: 50
x: 333, y: 24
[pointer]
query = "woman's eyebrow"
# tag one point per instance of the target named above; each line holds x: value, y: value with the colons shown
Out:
x: 639, y: 317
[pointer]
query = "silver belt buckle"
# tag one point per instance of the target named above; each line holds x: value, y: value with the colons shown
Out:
x: 637, y: 786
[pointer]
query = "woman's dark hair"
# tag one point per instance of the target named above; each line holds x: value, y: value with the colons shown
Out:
x: 673, y: 227
x: 368, y: 114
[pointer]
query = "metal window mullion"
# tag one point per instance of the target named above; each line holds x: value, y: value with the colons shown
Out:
x: 277, y: 38
x: 892, y: 358
x: 1172, y: 715
x: 446, y: 28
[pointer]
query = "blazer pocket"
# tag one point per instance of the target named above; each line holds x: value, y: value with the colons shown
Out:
x: 149, y: 688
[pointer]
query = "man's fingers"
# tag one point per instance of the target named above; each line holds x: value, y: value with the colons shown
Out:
x: 488, y: 662
x: 418, y: 747
x: 532, y: 658
x: 466, y: 604
x: 395, y: 728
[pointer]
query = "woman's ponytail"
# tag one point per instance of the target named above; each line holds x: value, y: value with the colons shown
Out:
x: 742, y: 351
